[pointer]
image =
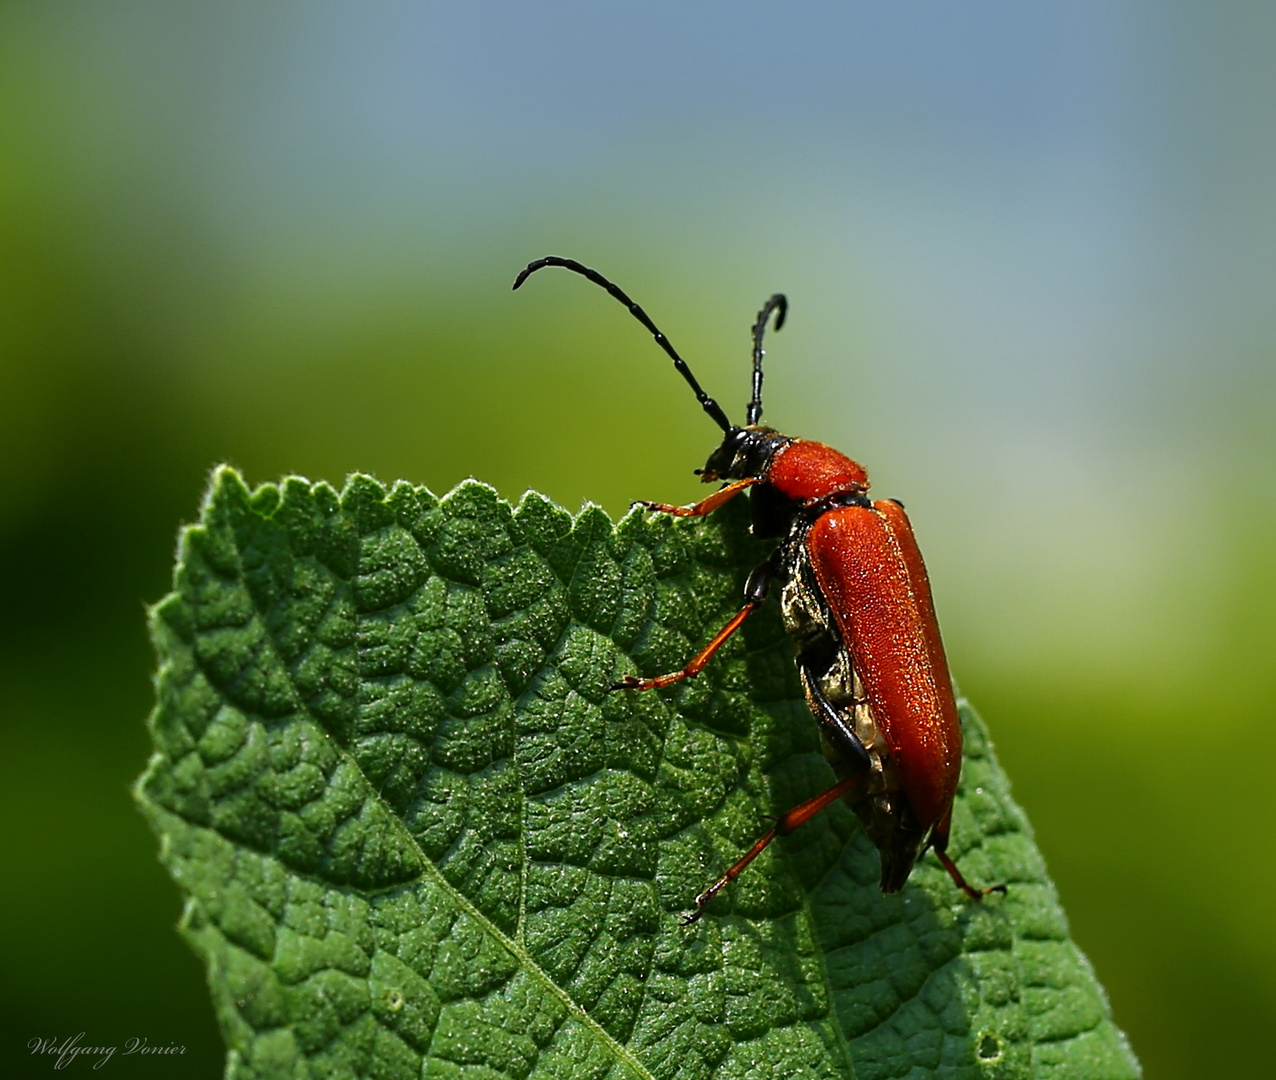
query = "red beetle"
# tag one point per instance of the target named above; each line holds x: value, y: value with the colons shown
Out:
x: 856, y: 600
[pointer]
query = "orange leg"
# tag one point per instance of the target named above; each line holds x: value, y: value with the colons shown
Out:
x: 704, y: 506
x: 940, y: 844
x: 755, y: 592
x: 795, y: 818
x: 696, y: 664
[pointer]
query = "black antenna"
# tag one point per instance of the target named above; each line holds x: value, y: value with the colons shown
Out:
x: 710, y: 406
x: 780, y: 305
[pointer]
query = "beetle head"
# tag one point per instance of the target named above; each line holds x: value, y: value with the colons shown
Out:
x: 744, y: 452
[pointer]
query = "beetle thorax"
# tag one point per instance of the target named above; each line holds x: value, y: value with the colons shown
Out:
x: 806, y: 471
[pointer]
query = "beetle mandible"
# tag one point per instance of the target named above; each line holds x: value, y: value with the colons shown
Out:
x: 856, y: 601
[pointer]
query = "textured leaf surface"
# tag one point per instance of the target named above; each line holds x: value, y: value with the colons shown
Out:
x: 417, y: 836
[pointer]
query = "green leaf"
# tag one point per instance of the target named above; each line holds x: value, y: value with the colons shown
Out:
x: 417, y: 836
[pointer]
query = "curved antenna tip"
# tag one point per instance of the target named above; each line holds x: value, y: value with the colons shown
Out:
x: 523, y: 275
x: 779, y: 305
x: 540, y: 264
x: 706, y: 402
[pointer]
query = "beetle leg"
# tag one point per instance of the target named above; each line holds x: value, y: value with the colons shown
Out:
x: 755, y: 591
x: 794, y: 819
x: 848, y: 746
x: 939, y: 841
x: 704, y: 506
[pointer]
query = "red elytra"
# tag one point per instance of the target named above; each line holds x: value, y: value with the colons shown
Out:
x: 870, y: 571
x: 856, y: 600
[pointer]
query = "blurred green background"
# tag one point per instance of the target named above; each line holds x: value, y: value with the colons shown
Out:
x: 1030, y: 251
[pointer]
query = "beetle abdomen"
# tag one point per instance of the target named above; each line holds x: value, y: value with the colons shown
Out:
x: 871, y: 573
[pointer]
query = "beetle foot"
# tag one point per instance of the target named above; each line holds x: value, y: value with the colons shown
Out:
x: 702, y: 902
x: 961, y: 882
x: 979, y: 894
x: 627, y: 682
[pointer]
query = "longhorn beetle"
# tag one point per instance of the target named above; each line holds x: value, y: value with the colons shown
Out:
x: 856, y: 601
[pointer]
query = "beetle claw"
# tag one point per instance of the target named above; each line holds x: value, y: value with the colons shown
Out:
x: 627, y: 682
x: 702, y: 902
